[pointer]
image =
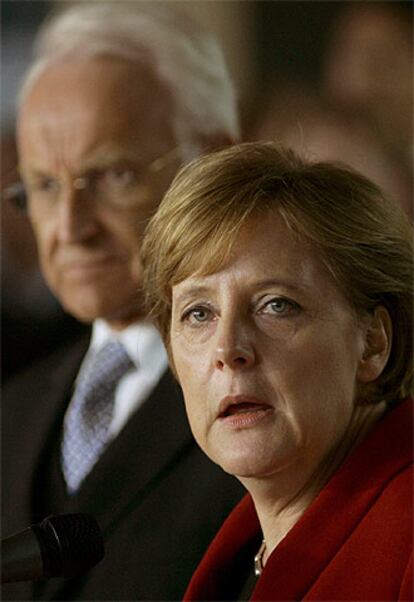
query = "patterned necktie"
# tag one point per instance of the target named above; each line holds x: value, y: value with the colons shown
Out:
x: 90, y: 412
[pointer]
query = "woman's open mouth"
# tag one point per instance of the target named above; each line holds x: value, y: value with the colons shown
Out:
x: 240, y: 411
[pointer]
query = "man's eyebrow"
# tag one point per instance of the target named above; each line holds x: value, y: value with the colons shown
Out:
x: 102, y: 158
x: 32, y: 171
x: 105, y: 156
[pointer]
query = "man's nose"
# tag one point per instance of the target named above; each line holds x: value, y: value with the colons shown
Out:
x: 76, y: 217
x: 234, y: 347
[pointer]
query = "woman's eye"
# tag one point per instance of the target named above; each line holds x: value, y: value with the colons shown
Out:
x: 279, y: 306
x: 197, y: 315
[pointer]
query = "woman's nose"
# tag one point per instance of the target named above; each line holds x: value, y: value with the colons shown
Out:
x: 234, y: 348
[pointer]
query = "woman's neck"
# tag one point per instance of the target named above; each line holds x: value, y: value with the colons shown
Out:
x: 282, y: 498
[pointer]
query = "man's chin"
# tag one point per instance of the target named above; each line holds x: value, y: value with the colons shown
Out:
x: 120, y: 315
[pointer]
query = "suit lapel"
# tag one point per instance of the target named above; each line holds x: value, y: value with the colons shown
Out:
x: 48, y: 392
x: 152, y: 441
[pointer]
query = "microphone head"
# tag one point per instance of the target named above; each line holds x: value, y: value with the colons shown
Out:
x: 69, y: 543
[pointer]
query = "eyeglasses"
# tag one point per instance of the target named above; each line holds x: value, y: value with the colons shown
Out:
x: 120, y: 185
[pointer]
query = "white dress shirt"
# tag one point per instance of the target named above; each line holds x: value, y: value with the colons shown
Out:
x: 145, y: 348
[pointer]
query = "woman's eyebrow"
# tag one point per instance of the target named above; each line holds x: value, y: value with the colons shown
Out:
x: 193, y: 290
x: 285, y: 283
x: 190, y: 292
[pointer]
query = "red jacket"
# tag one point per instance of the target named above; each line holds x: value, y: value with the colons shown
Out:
x: 354, y: 542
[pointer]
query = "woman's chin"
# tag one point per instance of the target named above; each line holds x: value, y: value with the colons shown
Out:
x: 245, y: 465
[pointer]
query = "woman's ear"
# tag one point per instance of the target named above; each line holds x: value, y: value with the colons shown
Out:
x: 377, y: 347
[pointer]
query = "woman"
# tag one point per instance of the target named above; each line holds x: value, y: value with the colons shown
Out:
x: 283, y: 293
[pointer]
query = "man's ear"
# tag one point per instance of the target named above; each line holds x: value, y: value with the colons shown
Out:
x: 377, y: 347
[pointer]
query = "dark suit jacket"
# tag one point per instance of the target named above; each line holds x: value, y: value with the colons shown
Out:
x: 157, y: 498
x: 354, y: 542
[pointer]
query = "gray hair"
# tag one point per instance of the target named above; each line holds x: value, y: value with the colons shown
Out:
x: 181, y: 53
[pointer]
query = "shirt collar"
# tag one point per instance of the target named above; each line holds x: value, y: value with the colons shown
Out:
x: 141, y: 340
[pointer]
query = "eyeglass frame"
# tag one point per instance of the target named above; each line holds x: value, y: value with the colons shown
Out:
x: 17, y: 195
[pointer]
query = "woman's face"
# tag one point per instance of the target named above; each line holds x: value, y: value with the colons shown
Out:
x: 267, y: 351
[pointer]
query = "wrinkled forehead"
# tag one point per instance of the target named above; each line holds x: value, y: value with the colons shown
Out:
x: 231, y: 240
x: 79, y: 105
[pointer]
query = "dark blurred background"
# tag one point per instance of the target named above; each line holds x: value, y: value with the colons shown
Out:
x: 333, y: 79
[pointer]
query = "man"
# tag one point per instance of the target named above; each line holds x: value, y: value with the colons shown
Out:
x: 118, y: 96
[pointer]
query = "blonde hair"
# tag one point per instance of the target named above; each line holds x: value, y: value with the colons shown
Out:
x: 364, y: 238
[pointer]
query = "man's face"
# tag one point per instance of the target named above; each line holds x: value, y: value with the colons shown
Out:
x: 103, y: 122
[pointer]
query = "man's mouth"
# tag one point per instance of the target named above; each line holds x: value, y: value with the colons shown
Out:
x: 90, y: 264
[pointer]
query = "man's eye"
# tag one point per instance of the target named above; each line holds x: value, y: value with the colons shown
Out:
x: 44, y: 186
x: 279, y: 306
x: 121, y: 177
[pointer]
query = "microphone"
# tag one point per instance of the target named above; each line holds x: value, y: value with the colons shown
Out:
x: 59, y: 546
